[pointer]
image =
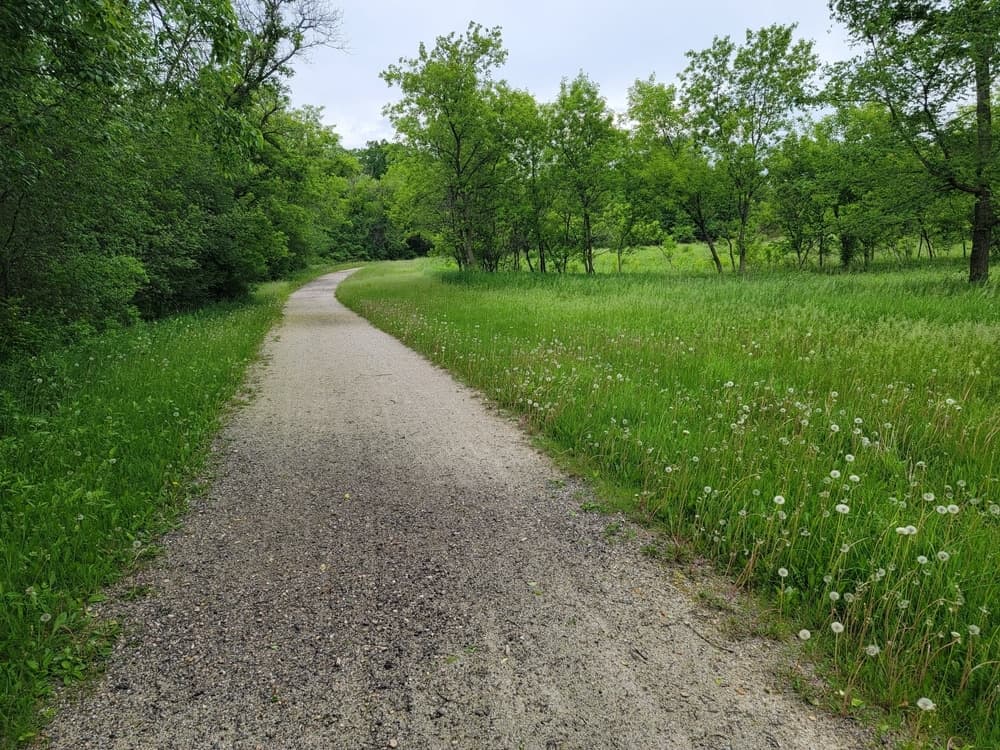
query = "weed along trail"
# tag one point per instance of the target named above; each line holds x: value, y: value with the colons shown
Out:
x: 382, y: 561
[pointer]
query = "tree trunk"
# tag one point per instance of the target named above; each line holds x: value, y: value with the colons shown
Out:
x: 588, y: 243
x: 982, y: 236
x: 982, y: 227
x: 741, y: 246
x: 715, y: 255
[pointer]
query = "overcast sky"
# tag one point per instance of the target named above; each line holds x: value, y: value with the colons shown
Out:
x: 548, y: 40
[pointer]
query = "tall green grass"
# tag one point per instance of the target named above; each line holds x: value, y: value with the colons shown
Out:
x: 99, y: 445
x: 834, y: 440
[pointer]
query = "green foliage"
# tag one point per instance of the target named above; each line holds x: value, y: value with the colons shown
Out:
x: 586, y: 144
x: 741, y: 101
x: 934, y: 66
x: 831, y: 440
x: 148, y: 159
x: 449, y: 113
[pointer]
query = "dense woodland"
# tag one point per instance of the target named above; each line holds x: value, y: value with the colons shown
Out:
x: 150, y: 161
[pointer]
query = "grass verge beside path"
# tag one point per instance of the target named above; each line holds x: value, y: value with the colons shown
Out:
x: 833, y: 441
x: 99, y: 446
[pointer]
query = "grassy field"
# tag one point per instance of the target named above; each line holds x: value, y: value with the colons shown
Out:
x: 833, y: 441
x: 99, y: 445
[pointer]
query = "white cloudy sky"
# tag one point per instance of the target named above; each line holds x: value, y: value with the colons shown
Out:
x: 614, y: 43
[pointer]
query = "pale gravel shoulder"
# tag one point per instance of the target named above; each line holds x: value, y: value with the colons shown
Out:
x: 383, y: 561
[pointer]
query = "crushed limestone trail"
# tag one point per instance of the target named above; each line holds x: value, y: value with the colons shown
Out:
x: 384, y: 561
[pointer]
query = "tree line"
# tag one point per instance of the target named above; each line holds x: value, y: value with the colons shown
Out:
x: 150, y: 161
x: 756, y: 150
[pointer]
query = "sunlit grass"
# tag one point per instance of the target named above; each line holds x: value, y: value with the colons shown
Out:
x: 834, y: 440
x: 99, y: 445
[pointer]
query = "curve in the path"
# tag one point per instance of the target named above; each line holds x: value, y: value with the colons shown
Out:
x: 383, y: 561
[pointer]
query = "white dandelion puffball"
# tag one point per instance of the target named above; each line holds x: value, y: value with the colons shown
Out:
x: 804, y: 635
x: 837, y: 627
x: 843, y: 509
x: 873, y: 650
x: 926, y: 704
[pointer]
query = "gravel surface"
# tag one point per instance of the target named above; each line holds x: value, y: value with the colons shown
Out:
x: 384, y: 561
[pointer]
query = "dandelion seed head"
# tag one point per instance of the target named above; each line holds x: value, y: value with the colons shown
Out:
x: 873, y: 650
x: 922, y: 559
x: 849, y: 458
x: 779, y: 500
x: 783, y: 572
x: 926, y: 704
x: 834, y: 474
x: 973, y: 630
x: 45, y: 617
x: 943, y: 556
x: 804, y: 635
x: 834, y: 596
x: 842, y: 508
x: 837, y: 627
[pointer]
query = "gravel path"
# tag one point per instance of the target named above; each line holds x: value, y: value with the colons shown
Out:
x: 383, y: 561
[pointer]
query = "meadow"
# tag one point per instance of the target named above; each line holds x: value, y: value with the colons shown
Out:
x: 832, y: 441
x: 101, y: 444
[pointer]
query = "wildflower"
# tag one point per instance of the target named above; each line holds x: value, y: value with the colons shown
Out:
x: 804, y: 635
x: 834, y: 596
x: 834, y: 428
x: 903, y: 604
x: 953, y: 509
x: 873, y: 650
x: 848, y: 597
x: 994, y: 509
x: 842, y: 509
x: 922, y: 559
x: 707, y: 490
x: 928, y: 497
x: 834, y: 474
x: 926, y: 704
x: 941, y: 510
x: 973, y: 630
x: 943, y: 556
x: 906, y: 530
x: 854, y: 478
x: 45, y: 617
x: 783, y: 572
x: 849, y: 458
x: 779, y: 500
x: 837, y: 627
